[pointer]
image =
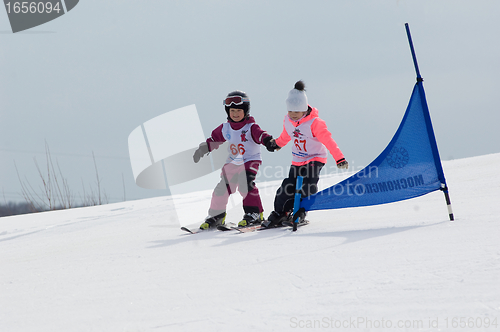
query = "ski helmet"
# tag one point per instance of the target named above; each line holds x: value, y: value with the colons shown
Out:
x: 237, y: 99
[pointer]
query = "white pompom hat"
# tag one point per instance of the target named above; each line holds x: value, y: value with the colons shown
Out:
x: 297, y: 99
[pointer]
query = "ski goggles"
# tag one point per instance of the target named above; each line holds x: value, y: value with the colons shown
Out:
x: 236, y: 100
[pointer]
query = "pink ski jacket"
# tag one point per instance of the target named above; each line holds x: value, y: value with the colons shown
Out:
x: 311, y: 139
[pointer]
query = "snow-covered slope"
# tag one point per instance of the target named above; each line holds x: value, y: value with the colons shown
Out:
x: 128, y: 266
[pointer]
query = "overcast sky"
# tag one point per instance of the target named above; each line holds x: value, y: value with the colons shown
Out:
x: 83, y: 82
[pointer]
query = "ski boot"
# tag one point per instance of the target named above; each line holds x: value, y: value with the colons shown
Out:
x: 251, y: 219
x: 275, y: 219
x: 213, y: 222
x: 300, y: 216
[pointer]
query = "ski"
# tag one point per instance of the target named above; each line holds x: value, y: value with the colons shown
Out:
x: 233, y: 227
x: 224, y: 228
x: 261, y: 228
x: 300, y: 224
x: 192, y: 231
x: 199, y: 230
x: 245, y: 229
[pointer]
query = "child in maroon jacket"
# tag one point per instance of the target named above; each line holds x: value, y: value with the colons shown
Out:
x: 242, y: 164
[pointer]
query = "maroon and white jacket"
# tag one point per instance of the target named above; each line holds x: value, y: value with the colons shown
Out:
x: 243, y: 137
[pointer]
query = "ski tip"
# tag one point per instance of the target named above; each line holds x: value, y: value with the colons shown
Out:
x: 187, y: 230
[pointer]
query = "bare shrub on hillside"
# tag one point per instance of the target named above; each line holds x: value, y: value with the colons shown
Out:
x: 54, y: 193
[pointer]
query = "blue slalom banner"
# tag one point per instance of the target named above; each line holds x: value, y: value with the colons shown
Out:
x: 409, y: 166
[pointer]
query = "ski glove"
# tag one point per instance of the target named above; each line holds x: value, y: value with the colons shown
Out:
x: 342, y: 164
x: 200, y: 152
x: 270, y: 144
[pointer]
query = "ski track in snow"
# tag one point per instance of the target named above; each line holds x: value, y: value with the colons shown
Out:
x: 128, y: 267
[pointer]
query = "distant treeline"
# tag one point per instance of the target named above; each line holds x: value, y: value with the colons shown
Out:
x: 11, y: 209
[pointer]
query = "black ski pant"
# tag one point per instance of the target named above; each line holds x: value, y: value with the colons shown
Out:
x: 283, y: 201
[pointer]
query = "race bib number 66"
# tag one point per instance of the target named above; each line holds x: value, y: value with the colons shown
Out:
x: 237, y: 149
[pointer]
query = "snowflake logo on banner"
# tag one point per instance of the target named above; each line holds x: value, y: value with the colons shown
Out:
x: 398, y: 157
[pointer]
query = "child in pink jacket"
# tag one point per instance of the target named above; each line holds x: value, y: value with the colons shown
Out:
x: 311, y: 141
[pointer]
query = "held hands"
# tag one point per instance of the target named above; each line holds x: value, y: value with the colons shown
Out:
x: 270, y: 144
x: 342, y: 164
x: 200, y: 152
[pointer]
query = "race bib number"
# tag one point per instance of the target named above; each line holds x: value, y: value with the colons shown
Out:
x: 300, y: 144
x: 237, y: 149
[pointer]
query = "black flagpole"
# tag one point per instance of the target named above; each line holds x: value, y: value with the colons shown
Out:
x: 419, y: 78
x: 444, y: 187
